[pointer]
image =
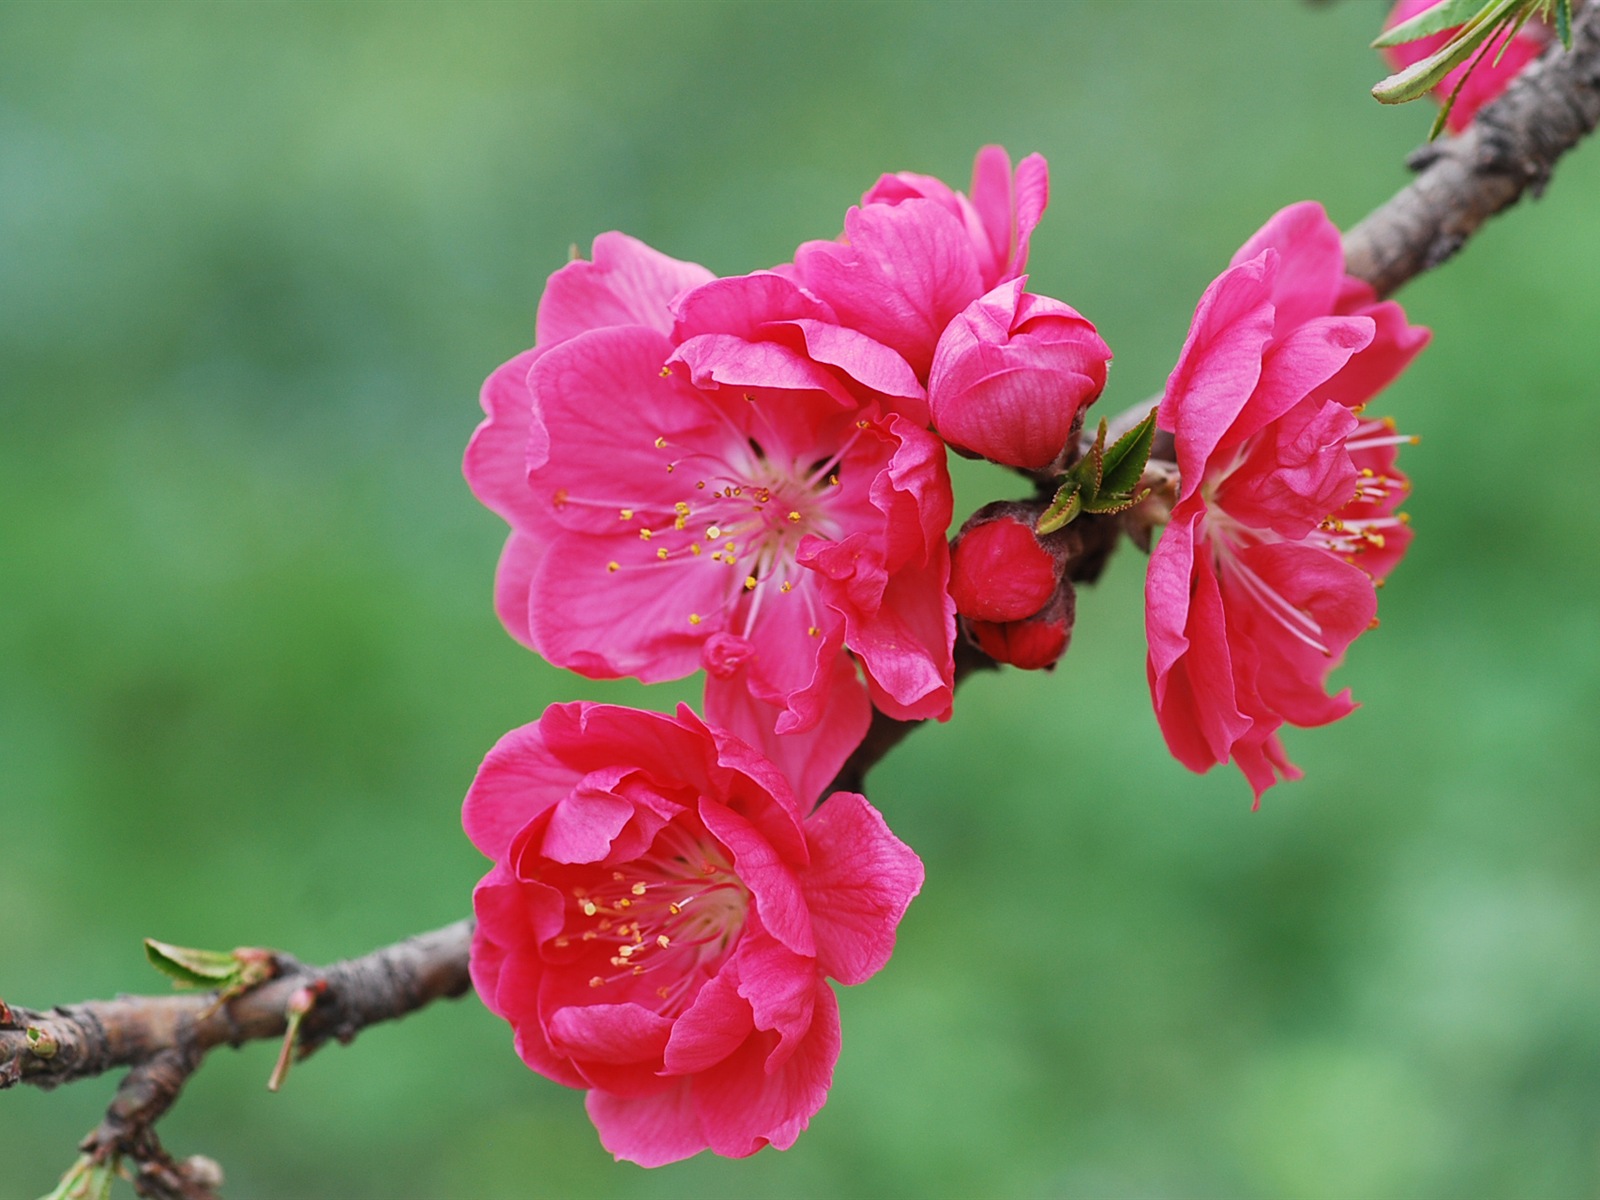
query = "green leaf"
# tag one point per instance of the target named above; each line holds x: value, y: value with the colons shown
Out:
x: 85, y: 1180
x: 1564, y: 22
x: 1114, y: 502
x: 1423, y: 76
x: 194, y: 968
x: 1125, y: 462
x: 1068, y: 503
x: 1441, y: 16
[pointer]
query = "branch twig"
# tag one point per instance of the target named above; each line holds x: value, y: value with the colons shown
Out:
x: 165, y: 1038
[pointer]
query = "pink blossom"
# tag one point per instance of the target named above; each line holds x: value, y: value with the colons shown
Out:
x: 1000, y: 572
x: 660, y: 923
x: 1287, y: 510
x: 915, y: 253
x: 1494, y: 70
x: 1012, y: 375
x: 723, y: 477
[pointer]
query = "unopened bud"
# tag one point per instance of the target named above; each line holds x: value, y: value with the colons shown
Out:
x: 41, y: 1042
x: 1012, y: 375
x: 1000, y: 572
x: 1035, y: 643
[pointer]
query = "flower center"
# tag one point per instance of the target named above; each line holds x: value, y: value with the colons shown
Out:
x: 673, y: 915
x: 744, y: 509
x: 1357, y: 527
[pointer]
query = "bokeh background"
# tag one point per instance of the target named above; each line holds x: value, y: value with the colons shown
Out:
x: 254, y: 262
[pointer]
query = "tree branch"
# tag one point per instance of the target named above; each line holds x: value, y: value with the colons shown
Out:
x: 1511, y: 147
x: 165, y: 1038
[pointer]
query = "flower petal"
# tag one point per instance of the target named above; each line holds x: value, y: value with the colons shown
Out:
x: 861, y: 879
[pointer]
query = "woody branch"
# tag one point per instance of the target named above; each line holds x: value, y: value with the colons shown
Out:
x: 1510, y: 149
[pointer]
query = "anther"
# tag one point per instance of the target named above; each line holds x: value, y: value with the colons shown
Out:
x: 694, y: 618
x: 813, y: 631
x: 644, y: 535
x: 663, y: 940
x: 749, y: 583
x: 694, y: 548
x: 613, y: 566
x: 786, y: 586
x: 794, y: 517
x: 662, y: 554
x: 713, y: 533
x: 624, y: 514
x: 666, y: 372
x: 638, y: 889
x: 590, y: 908
x: 661, y: 443
x: 559, y: 500
x: 596, y: 981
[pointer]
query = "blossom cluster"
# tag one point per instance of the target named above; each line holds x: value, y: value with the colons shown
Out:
x: 747, y: 477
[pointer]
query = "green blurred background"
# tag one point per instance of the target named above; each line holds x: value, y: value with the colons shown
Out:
x: 254, y: 262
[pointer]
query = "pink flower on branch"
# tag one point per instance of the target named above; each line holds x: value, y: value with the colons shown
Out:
x: 1286, y: 515
x: 723, y: 478
x: 660, y: 924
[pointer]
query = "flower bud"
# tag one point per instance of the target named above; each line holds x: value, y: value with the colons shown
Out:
x: 1012, y: 375
x: 1032, y: 644
x: 1000, y: 572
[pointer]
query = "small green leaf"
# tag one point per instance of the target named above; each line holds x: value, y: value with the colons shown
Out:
x: 1564, y: 22
x: 1068, y: 503
x: 1125, y: 461
x: 194, y: 968
x: 1441, y: 16
x: 85, y: 1180
x: 1114, y: 502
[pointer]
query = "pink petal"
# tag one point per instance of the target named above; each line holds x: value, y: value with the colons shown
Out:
x: 1220, y: 364
x: 995, y: 205
x: 712, y: 1027
x: 497, y: 457
x: 861, y: 879
x: 593, y: 737
x: 582, y: 827
x: 1310, y: 262
x: 781, y: 987
x: 519, y: 779
x: 609, y: 1033
x: 604, y: 401
x: 1296, y: 365
x: 809, y: 759
x: 649, y: 1130
x: 906, y: 645
x: 742, y: 1107
x: 628, y: 283
x: 720, y: 360
x: 1394, y: 344
x: 774, y: 886
x: 1168, y: 584
x: 743, y: 305
x: 1032, y: 192
x: 635, y: 620
x: 512, y: 577
x: 905, y: 271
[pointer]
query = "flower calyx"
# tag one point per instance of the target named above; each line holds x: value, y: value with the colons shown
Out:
x: 1105, y: 480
